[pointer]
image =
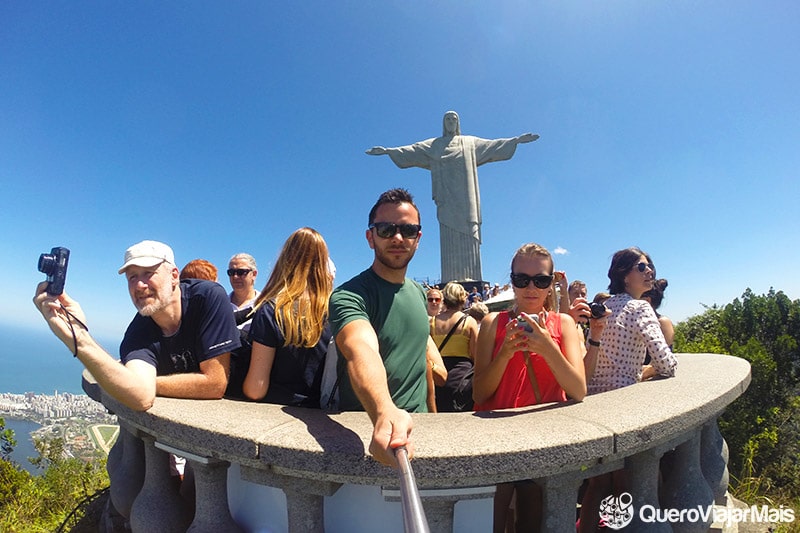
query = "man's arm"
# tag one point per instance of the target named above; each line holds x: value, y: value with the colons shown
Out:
x: 208, y: 384
x: 358, y: 344
x: 132, y: 384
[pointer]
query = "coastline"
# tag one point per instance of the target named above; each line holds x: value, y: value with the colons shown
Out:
x: 23, y: 433
x: 87, y: 429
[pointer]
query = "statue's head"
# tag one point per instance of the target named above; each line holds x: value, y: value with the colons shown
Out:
x: 451, y: 124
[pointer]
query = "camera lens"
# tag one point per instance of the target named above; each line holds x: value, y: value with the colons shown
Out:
x: 47, y: 263
x: 597, y: 309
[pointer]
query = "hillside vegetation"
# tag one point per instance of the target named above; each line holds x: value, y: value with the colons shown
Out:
x: 762, y: 427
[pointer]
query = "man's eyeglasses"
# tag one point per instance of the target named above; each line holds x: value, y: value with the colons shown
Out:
x: 641, y: 267
x: 540, y: 281
x: 434, y: 300
x: 241, y: 272
x: 387, y: 230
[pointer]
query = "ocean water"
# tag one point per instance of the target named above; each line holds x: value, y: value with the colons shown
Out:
x: 24, y: 448
x: 34, y: 360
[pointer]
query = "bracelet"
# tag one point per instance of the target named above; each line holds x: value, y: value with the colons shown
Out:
x: 593, y: 342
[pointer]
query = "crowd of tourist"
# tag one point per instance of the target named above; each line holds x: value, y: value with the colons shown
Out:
x: 397, y: 348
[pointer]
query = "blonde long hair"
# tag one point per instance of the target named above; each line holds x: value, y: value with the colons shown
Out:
x: 300, y: 285
x: 537, y: 250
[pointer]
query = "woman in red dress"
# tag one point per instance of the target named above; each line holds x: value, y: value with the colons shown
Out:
x: 527, y: 356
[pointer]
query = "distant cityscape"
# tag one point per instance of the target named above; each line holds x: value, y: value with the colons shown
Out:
x: 85, y: 425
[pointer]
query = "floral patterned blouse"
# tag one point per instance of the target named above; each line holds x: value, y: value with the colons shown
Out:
x: 632, y: 331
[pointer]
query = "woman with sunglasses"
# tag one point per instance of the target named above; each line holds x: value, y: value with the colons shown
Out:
x: 290, y: 330
x: 632, y: 331
x: 526, y: 356
x: 434, y: 297
x: 615, y: 360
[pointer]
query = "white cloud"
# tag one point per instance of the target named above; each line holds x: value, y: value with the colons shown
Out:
x: 560, y: 251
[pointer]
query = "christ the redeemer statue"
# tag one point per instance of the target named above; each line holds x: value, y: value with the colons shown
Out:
x: 453, y: 160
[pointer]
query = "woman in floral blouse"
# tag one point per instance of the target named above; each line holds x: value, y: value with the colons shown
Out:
x: 616, y: 360
x: 631, y: 331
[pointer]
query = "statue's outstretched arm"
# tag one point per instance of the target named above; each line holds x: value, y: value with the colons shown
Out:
x: 526, y: 138
x: 377, y: 150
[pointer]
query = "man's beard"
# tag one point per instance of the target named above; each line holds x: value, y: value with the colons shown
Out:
x: 388, y: 259
x: 161, y: 301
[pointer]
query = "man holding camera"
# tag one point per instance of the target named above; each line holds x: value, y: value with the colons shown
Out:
x: 177, y: 345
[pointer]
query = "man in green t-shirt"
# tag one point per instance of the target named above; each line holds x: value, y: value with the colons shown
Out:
x: 381, y: 327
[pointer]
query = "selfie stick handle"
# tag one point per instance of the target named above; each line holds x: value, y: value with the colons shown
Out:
x: 413, y: 514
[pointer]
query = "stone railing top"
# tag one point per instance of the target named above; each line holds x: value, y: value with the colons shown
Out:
x: 452, y: 449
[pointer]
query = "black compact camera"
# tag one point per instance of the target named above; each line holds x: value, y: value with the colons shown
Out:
x: 597, y: 309
x: 54, y: 265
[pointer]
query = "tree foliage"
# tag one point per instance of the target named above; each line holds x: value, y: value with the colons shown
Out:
x: 7, y: 441
x: 761, y: 427
x: 40, y: 503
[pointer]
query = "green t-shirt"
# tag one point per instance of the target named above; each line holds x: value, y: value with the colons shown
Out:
x: 399, y: 317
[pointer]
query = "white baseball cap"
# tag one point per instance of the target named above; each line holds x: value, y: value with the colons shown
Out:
x: 147, y: 254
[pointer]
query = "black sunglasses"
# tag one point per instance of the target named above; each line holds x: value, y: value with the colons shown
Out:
x: 387, y: 230
x: 642, y: 266
x: 239, y: 271
x: 540, y: 281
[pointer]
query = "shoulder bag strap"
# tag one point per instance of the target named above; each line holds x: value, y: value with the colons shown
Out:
x: 452, y: 330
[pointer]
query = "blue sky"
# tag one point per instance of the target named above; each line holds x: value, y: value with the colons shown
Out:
x: 223, y: 127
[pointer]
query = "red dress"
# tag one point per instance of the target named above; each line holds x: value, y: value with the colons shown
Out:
x: 515, y: 389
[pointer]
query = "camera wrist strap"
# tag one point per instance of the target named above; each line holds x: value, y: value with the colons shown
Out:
x: 70, y: 318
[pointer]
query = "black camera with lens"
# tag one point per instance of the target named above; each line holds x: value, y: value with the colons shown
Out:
x: 597, y: 310
x: 54, y: 265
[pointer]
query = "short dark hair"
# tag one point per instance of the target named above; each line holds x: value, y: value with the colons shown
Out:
x: 621, y: 264
x: 393, y: 196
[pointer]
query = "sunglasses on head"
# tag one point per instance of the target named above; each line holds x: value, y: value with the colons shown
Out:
x: 641, y: 267
x: 540, y: 281
x: 387, y: 230
x: 239, y: 272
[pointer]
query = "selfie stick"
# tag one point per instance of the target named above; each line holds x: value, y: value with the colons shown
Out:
x: 413, y: 513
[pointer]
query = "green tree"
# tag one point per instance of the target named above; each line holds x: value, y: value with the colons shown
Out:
x: 41, y: 503
x: 7, y: 441
x: 761, y: 427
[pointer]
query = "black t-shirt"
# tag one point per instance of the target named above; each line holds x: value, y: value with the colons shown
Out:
x: 207, y: 330
x: 296, y: 373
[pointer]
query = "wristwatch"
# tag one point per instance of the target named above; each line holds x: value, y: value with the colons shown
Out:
x: 593, y: 342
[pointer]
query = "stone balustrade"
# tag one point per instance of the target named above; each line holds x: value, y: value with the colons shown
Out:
x: 238, y: 450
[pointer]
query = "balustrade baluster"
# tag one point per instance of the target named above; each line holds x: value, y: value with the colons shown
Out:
x: 560, y: 497
x: 159, y: 506
x: 211, y: 513
x: 126, y: 469
x: 643, y: 475
x: 714, y: 461
x: 686, y: 488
